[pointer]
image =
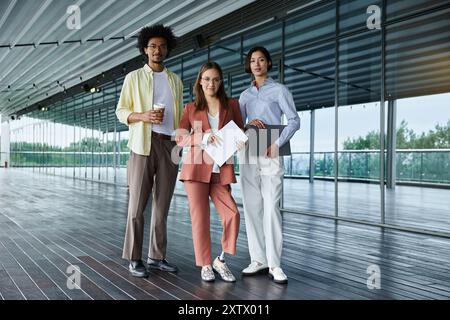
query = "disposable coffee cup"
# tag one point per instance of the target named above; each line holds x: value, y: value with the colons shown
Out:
x: 160, y: 106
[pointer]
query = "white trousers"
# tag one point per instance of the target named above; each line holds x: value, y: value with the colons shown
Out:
x: 261, y: 192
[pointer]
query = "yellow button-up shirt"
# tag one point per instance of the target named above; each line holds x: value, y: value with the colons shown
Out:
x: 137, y: 96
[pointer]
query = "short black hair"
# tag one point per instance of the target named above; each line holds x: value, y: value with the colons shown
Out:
x: 264, y: 51
x: 156, y: 31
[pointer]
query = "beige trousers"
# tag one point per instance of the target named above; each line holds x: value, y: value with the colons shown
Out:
x: 154, y: 174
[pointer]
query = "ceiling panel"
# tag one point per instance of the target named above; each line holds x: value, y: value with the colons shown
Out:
x: 39, y: 55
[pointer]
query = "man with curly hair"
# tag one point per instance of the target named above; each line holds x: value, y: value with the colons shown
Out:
x: 150, y: 104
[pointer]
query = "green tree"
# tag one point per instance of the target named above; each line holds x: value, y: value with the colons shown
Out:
x: 370, y: 141
x: 438, y: 138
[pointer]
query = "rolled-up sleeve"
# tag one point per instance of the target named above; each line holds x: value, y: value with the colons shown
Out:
x: 287, y: 105
x: 125, y: 106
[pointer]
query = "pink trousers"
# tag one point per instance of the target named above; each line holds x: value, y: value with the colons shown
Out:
x: 198, y: 196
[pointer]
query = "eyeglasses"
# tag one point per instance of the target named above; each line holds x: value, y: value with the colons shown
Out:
x: 214, y: 80
x: 153, y: 47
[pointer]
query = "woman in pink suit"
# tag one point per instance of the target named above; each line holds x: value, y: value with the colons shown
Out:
x: 203, y: 178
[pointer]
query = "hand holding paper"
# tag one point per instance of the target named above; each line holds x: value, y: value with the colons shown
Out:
x: 214, y: 139
x: 230, y: 138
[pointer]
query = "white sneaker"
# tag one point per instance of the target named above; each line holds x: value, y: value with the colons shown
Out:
x: 222, y: 269
x: 207, y: 273
x: 278, y: 275
x: 254, y: 268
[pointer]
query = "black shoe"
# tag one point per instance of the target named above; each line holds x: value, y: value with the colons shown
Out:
x: 138, y: 269
x: 162, y: 265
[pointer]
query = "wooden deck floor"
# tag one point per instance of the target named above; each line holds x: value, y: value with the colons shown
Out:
x: 49, y: 223
x: 406, y: 206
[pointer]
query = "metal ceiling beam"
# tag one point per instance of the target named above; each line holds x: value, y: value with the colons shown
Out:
x: 180, y: 22
x: 11, y: 96
x: 149, y: 12
x: 28, y: 26
x: 55, y: 26
x: 109, y: 47
x: 192, y: 11
x: 108, y: 62
x: 7, y: 12
x: 159, y: 18
x: 35, y: 75
x: 177, y: 8
x: 31, y: 22
x: 189, y: 25
x: 32, y: 94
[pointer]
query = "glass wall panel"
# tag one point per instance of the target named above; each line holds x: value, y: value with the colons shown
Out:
x: 357, y: 14
x: 226, y: 53
x: 418, y: 86
x: 192, y: 64
x: 312, y: 25
x: 297, y: 165
x: 97, y: 154
x: 124, y: 153
x: 359, y: 195
x: 422, y: 164
x: 309, y: 75
x: 269, y: 36
x: 399, y: 8
x: 109, y: 137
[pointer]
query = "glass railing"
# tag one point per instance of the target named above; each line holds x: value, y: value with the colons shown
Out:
x: 419, y: 166
x: 424, y: 165
x: 68, y: 159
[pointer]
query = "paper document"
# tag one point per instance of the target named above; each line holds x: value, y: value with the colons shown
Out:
x: 229, y: 136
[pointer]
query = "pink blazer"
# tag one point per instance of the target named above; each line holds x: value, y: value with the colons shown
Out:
x: 197, y: 165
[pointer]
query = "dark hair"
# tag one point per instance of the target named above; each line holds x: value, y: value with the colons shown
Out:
x: 200, y: 100
x: 156, y: 31
x: 249, y: 57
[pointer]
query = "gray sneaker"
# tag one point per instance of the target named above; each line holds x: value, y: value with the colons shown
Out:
x: 138, y: 269
x: 207, y: 273
x: 222, y: 269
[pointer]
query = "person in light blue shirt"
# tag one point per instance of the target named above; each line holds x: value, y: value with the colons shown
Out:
x: 264, y: 103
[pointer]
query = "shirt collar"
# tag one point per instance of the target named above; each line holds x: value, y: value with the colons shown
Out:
x: 269, y: 80
x: 148, y: 69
